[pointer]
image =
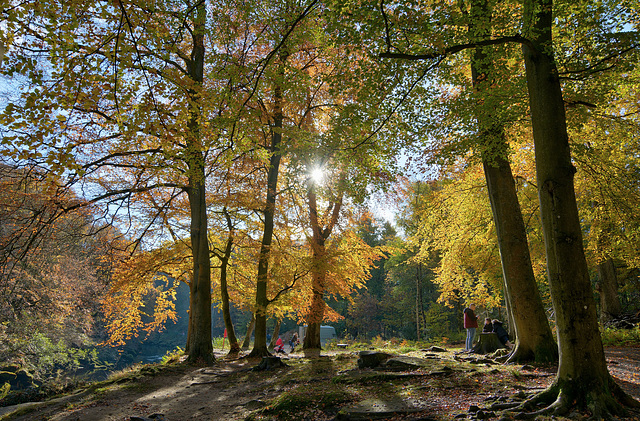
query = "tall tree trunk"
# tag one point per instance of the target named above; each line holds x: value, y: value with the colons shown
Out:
x: 199, y: 345
x: 234, y: 346
x: 247, y: 337
x: 534, y: 338
x: 262, y: 301
x: 582, y: 380
x: 318, y: 268
x: 610, y: 307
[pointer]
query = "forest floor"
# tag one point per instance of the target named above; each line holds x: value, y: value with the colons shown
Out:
x: 444, y: 386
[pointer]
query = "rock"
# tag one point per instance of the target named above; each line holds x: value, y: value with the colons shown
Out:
x: 372, y: 359
x: 405, y: 363
x: 435, y: 349
x: 474, y: 408
x: 484, y: 415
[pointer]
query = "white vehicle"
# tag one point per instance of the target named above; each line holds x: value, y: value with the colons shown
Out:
x: 327, y: 333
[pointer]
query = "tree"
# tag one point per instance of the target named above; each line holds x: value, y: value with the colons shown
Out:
x: 55, y: 265
x: 122, y: 102
x: 582, y: 380
x: 533, y: 334
x: 321, y: 227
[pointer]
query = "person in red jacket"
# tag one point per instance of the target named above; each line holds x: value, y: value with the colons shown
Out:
x: 471, y: 324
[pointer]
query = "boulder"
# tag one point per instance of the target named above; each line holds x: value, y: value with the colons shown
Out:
x: 372, y: 359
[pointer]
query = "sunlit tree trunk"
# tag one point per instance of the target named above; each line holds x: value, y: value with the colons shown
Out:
x: 534, y: 338
x: 583, y: 379
x: 316, y: 312
x: 199, y: 345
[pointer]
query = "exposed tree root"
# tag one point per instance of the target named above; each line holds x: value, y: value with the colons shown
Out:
x: 259, y: 352
x: 559, y: 401
x: 543, y: 354
x: 201, y: 361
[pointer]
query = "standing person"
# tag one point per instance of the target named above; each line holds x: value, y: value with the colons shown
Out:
x: 293, y: 342
x: 471, y: 324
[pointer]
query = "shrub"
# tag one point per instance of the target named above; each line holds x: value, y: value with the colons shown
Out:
x: 620, y: 337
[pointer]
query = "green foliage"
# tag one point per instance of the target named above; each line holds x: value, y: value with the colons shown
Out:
x: 173, y: 356
x: 217, y: 342
x: 620, y: 337
x: 49, y: 360
x: 439, y: 320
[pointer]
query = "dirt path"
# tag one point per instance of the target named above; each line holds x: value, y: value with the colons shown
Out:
x: 231, y: 391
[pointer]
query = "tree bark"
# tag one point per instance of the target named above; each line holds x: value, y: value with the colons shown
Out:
x: 583, y: 380
x: 534, y: 340
x: 610, y: 307
x: 199, y: 345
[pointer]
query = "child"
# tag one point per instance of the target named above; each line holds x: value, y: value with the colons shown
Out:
x: 488, y: 327
x: 279, y: 348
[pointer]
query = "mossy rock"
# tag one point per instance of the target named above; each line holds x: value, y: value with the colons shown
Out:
x: 372, y: 359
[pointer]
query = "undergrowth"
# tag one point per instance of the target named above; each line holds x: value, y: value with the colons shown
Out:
x: 620, y: 337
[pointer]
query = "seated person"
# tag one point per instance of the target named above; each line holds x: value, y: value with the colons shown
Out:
x: 503, y: 336
x: 279, y: 348
x: 488, y: 327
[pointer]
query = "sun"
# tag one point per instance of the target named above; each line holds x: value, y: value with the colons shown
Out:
x: 317, y: 175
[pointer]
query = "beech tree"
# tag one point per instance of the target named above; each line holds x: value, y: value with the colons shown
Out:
x: 533, y: 334
x: 122, y: 101
x: 583, y: 379
x: 521, y: 294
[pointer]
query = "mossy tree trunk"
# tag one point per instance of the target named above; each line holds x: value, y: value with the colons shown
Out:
x: 583, y: 381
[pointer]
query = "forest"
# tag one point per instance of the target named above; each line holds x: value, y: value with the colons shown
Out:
x: 183, y: 168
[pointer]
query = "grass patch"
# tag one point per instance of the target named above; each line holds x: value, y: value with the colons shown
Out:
x: 292, y: 404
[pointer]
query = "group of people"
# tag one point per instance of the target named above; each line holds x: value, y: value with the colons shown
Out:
x: 279, y: 348
x: 471, y: 325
